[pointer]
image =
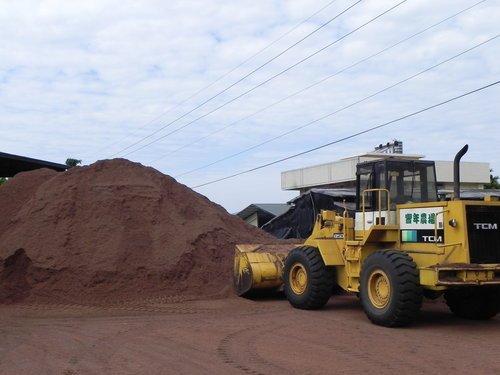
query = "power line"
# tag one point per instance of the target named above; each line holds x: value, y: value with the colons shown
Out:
x: 350, y: 136
x: 341, y: 109
x: 267, y: 80
x: 229, y: 72
x: 317, y: 83
x: 237, y: 81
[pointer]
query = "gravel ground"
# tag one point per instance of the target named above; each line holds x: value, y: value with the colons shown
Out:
x: 239, y: 336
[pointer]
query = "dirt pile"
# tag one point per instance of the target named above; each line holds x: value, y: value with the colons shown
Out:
x: 113, y: 230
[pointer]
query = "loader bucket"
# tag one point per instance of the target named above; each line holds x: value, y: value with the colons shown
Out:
x: 259, y: 266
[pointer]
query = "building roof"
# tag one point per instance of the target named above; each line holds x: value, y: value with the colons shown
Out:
x: 13, y: 164
x: 339, y: 194
x: 344, y: 171
x: 274, y: 209
x: 471, y: 194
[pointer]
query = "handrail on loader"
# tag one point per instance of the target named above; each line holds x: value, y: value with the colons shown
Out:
x: 379, y: 198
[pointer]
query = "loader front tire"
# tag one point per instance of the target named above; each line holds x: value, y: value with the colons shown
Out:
x: 308, y: 283
x: 390, y: 290
x: 476, y: 303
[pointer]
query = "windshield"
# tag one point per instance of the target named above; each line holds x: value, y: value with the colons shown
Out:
x: 411, y: 182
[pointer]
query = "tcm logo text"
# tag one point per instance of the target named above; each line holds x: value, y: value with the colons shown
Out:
x: 486, y: 226
x: 432, y: 239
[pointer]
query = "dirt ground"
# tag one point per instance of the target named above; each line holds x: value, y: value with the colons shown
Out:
x: 239, y: 336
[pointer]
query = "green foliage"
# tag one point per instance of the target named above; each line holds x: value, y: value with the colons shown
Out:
x: 72, y: 162
x: 494, y: 184
x: 3, y: 180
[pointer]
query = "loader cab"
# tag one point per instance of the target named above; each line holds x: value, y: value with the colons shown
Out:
x: 408, y: 181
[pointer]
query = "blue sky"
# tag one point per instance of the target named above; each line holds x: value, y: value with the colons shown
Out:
x: 90, y: 79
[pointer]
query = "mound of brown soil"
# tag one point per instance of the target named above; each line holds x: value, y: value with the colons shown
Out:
x: 111, y: 231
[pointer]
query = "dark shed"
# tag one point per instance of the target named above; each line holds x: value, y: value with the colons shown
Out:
x: 13, y: 164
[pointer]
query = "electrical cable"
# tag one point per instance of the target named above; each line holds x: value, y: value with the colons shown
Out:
x: 237, y: 81
x: 267, y: 80
x: 350, y: 136
x: 227, y: 73
x: 316, y: 83
x: 339, y: 110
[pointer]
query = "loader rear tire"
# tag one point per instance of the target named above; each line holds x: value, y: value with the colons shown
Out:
x: 308, y: 283
x: 476, y: 303
x: 390, y: 290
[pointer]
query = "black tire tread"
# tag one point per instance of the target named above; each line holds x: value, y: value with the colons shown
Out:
x: 320, y: 277
x: 476, y: 303
x: 407, y: 298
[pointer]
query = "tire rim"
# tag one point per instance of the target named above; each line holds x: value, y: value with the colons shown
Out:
x: 298, y: 278
x: 379, y: 289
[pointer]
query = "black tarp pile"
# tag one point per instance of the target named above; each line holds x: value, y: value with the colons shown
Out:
x: 298, y: 221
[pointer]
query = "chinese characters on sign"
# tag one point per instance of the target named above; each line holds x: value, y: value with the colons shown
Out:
x: 420, y: 218
x: 423, y: 224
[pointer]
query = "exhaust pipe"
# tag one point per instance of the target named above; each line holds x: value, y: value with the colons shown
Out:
x: 456, y: 172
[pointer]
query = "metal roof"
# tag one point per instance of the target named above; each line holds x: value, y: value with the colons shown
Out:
x: 13, y: 164
x: 334, y: 193
x: 274, y: 209
x: 477, y: 194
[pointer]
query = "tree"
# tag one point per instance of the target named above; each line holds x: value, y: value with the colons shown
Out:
x: 3, y: 180
x: 494, y: 184
x: 72, y: 162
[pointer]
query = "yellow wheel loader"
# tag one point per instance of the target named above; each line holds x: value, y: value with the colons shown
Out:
x: 401, y: 245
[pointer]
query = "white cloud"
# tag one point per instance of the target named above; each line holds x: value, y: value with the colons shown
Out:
x: 87, y: 79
